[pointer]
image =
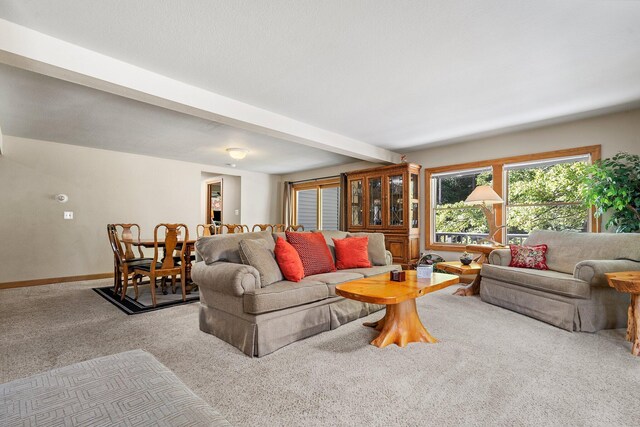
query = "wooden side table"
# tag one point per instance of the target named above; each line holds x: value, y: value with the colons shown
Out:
x: 629, y: 281
x: 484, y: 251
x: 456, y: 267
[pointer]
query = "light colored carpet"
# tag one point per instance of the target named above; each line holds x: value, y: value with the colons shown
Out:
x: 492, y: 366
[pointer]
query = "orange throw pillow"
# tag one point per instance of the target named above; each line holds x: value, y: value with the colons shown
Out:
x: 314, y: 252
x: 289, y: 261
x: 352, y: 252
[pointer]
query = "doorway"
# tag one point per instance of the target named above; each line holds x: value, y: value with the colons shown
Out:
x: 213, y: 213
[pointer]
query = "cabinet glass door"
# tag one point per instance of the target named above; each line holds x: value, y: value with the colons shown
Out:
x: 356, y: 203
x: 396, y: 207
x: 414, y: 205
x: 375, y: 201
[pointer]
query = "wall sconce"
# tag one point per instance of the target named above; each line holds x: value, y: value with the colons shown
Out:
x: 62, y: 198
x: 237, y: 153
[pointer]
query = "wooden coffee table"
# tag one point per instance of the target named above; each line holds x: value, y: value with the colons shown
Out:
x: 401, y: 324
x: 629, y: 281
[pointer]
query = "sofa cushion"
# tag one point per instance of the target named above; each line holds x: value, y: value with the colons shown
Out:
x: 314, y: 252
x: 377, y: 250
x: 256, y: 254
x: 279, y: 235
x: 352, y: 253
x: 289, y: 261
x: 285, y: 294
x: 226, y: 247
x: 329, y: 235
x: 373, y: 271
x: 567, y: 248
x: 545, y: 280
x: 333, y: 279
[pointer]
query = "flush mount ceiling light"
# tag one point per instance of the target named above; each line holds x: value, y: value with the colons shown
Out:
x: 237, y: 153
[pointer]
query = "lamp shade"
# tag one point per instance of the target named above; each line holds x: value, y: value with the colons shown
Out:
x: 483, y: 194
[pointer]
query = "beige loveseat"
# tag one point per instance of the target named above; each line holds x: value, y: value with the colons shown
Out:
x: 573, y: 294
x: 257, y: 319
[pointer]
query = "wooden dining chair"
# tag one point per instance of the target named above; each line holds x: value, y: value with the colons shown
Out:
x: 167, y: 267
x: 204, y: 230
x: 278, y: 228
x: 234, y: 228
x: 295, y: 228
x: 130, y: 233
x: 123, y: 267
x: 262, y: 227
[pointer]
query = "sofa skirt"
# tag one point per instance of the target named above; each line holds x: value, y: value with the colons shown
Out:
x: 605, y: 309
x: 259, y: 335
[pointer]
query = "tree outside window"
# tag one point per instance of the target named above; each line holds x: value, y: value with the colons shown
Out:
x: 456, y: 222
x: 543, y: 195
x: 546, y: 196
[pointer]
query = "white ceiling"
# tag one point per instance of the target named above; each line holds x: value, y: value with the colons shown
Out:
x: 40, y: 107
x: 396, y: 74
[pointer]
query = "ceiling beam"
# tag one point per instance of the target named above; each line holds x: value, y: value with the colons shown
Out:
x: 34, y: 51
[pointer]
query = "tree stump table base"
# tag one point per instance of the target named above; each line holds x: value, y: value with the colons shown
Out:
x: 400, y: 325
x: 472, y: 289
x: 629, y: 282
x: 484, y: 250
x: 633, y: 324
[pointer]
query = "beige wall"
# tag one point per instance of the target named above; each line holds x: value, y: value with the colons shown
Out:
x: 103, y: 187
x: 614, y: 132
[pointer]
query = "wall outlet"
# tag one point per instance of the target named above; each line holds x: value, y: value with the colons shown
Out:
x: 237, y: 211
x: 68, y: 215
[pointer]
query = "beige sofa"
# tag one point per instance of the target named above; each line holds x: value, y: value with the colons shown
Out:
x: 573, y: 294
x: 235, y: 307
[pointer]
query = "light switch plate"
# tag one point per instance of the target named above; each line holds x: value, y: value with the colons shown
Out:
x: 68, y: 215
x: 237, y: 211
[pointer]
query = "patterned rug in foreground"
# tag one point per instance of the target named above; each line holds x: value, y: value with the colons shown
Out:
x: 130, y: 306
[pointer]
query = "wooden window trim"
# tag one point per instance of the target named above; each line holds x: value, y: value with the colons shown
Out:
x: 497, y: 166
x: 311, y: 185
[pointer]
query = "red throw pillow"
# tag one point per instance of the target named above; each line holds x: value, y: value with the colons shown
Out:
x: 314, y: 252
x: 352, y: 252
x: 529, y: 257
x: 289, y: 261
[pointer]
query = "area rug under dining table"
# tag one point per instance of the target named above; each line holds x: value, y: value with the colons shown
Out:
x: 130, y: 306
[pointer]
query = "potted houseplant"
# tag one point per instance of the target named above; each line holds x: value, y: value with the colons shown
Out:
x: 613, y: 185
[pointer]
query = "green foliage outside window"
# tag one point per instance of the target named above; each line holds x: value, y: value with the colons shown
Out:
x: 452, y: 215
x: 547, y: 197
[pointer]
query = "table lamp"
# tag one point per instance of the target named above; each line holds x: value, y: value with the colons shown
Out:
x: 484, y: 197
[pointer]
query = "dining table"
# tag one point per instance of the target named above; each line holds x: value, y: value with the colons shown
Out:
x: 150, y: 243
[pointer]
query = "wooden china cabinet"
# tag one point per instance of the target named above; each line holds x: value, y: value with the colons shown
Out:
x: 385, y: 200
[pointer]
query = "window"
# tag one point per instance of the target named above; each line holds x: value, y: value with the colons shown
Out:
x: 456, y: 222
x: 544, y: 195
x: 307, y: 208
x: 540, y: 191
x: 317, y: 204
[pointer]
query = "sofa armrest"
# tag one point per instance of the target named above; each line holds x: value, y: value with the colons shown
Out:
x: 226, y: 277
x: 388, y: 258
x: 592, y: 271
x: 500, y: 257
